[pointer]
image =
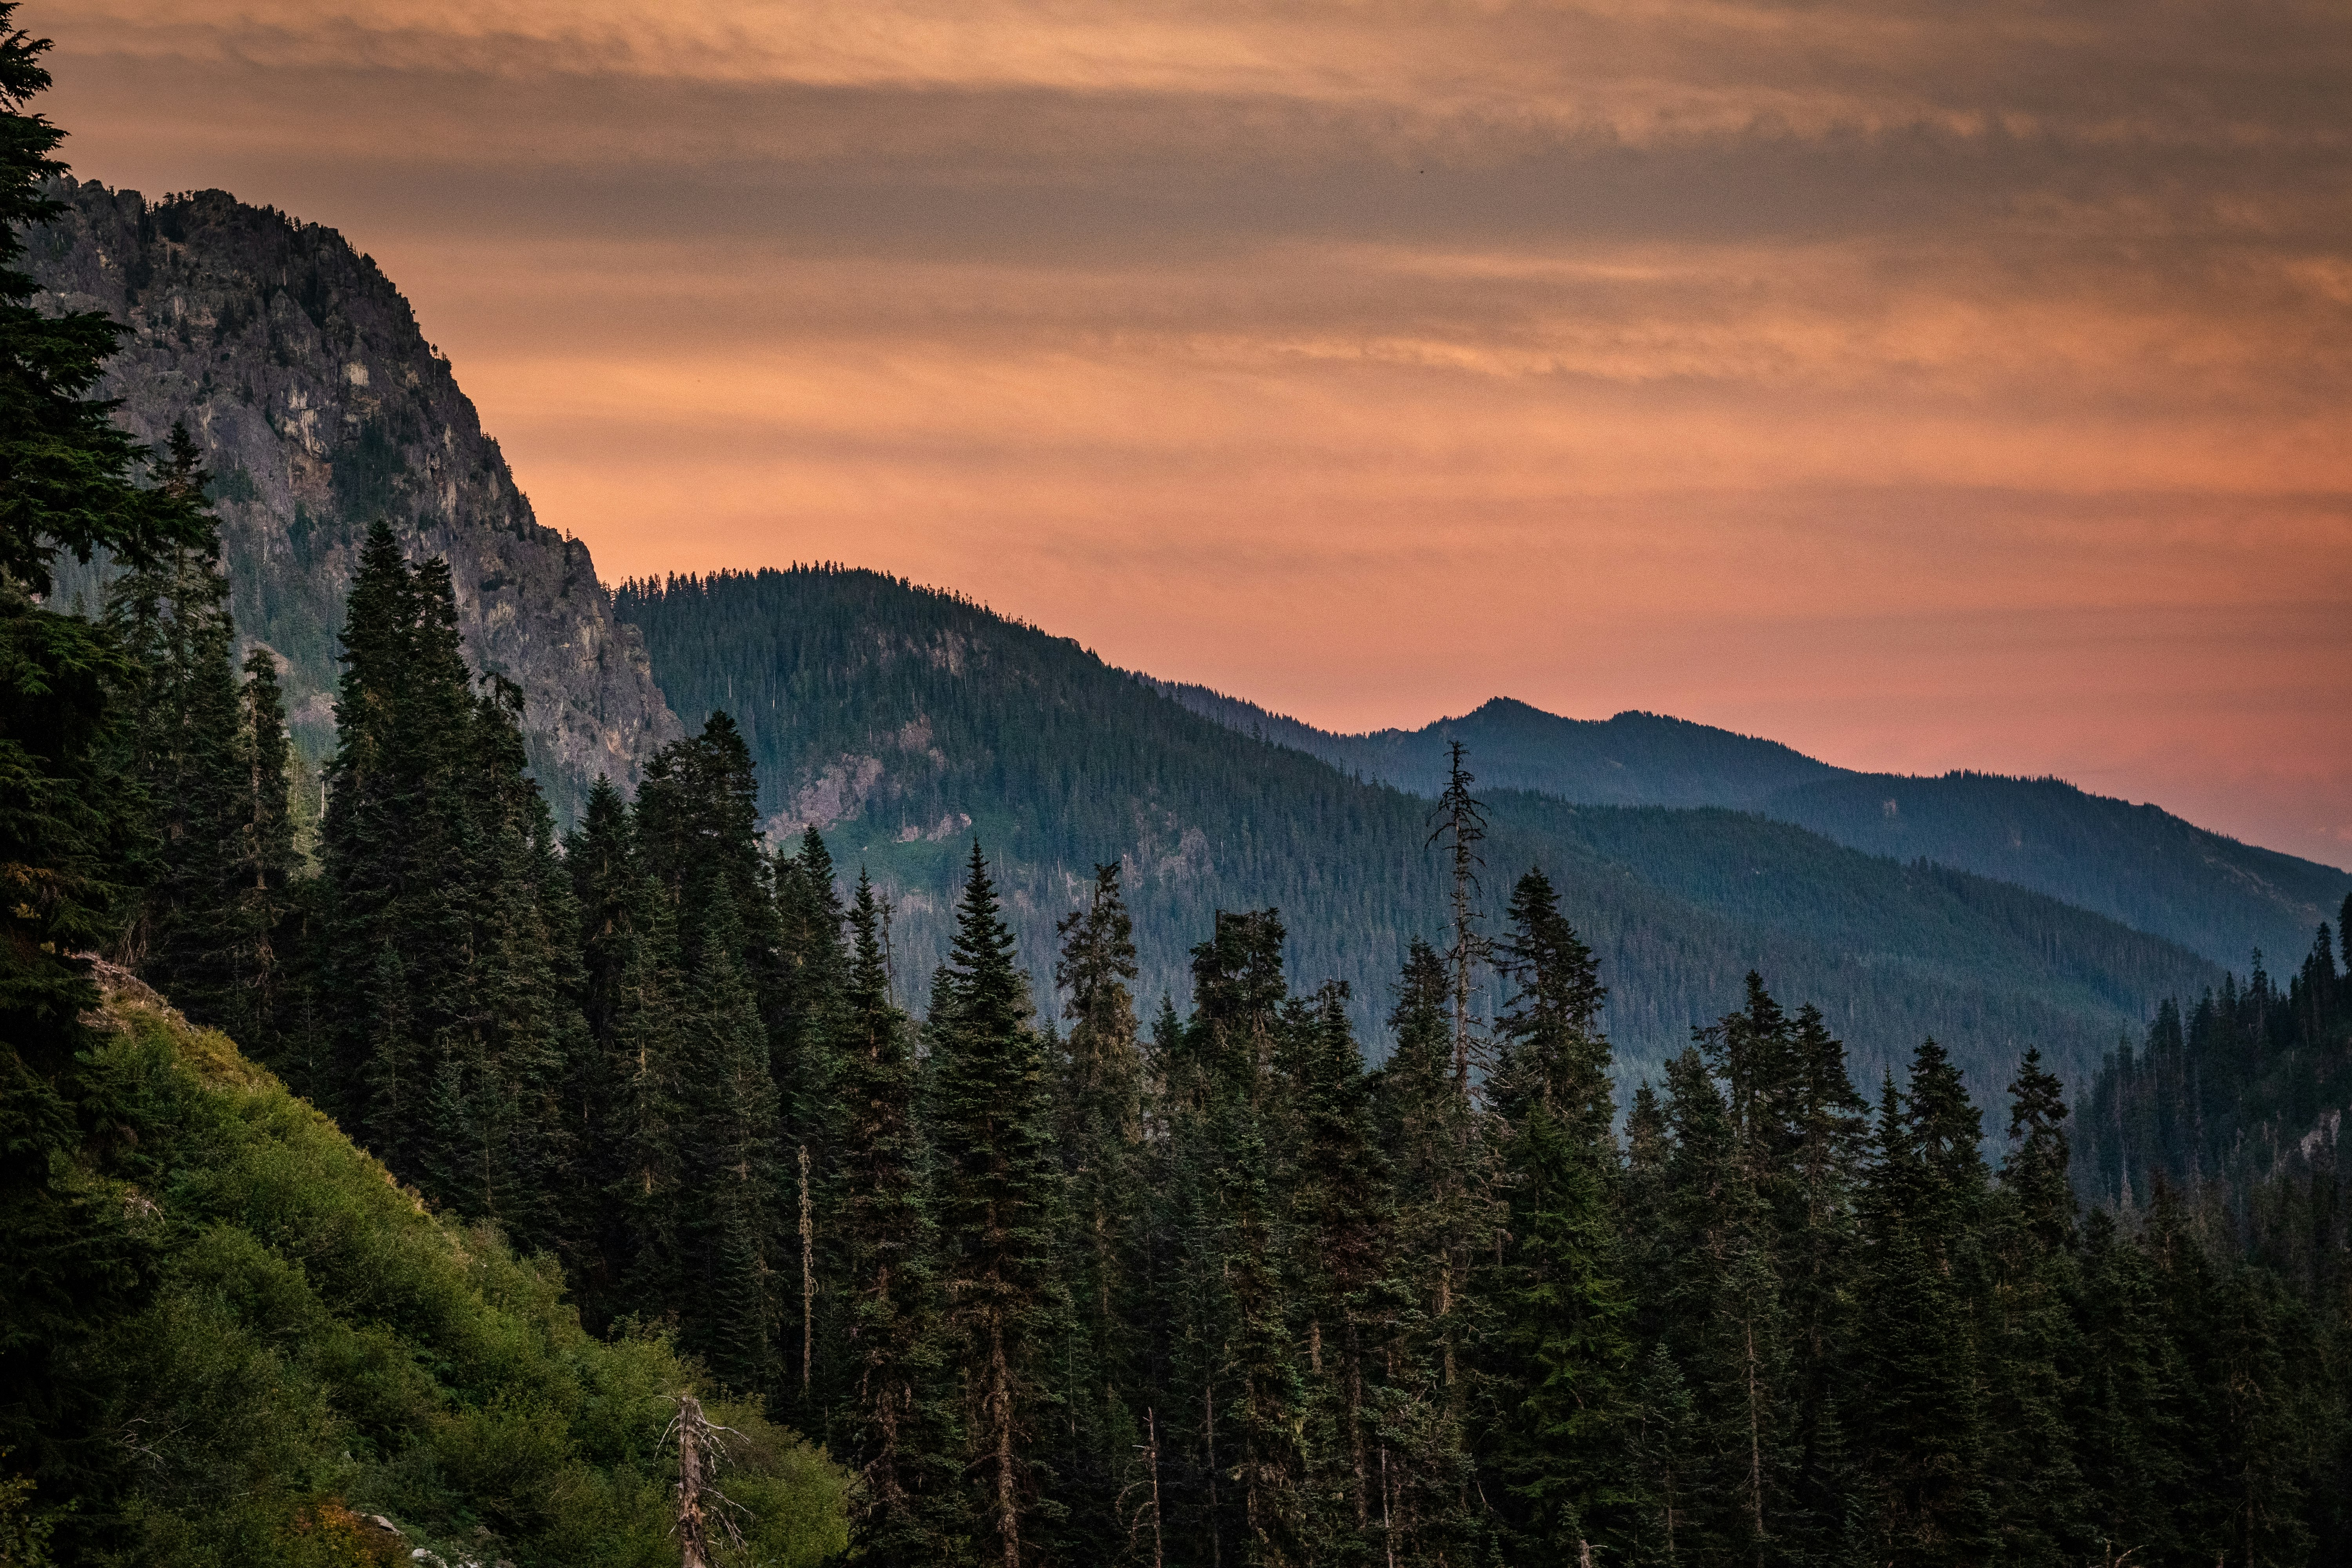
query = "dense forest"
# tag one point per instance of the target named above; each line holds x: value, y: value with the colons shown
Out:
x: 899, y: 721
x: 671, y: 1181
x: 2238, y: 1099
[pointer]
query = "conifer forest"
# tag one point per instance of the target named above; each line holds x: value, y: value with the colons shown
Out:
x: 390, y: 1174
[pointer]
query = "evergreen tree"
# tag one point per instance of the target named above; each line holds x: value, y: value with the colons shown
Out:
x: 1922, y: 1424
x: 1459, y: 823
x: 989, y: 1121
x: 264, y: 869
x: 804, y: 1019
x: 67, y: 821
x: 1553, y: 1051
x: 450, y: 980
x: 1829, y: 1127
x: 1098, y: 1128
x: 1432, y: 1151
x: 1560, y: 1355
x: 180, y: 739
x: 894, y: 1428
x: 1338, y: 1218
x: 1721, y: 1318
x: 731, y: 1311
x: 2029, y: 1330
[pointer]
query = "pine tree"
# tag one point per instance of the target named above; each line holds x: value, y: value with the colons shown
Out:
x: 1553, y: 1051
x: 731, y: 1311
x: 894, y: 1428
x: 989, y: 1121
x: 1922, y: 1421
x: 1338, y: 1218
x: 1829, y: 1126
x: 449, y: 979
x: 2029, y: 1330
x: 67, y: 821
x: 1460, y: 824
x: 1429, y: 1139
x: 264, y: 869
x: 1560, y: 1355
x: 1099, y: 1122
x: 184, y: 755
x: 1720, y: 1316
x: 804, y: 1019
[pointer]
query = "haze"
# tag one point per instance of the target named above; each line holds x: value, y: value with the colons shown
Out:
x: 1924, y: 387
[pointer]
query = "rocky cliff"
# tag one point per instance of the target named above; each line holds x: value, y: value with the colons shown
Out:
x: 301, y: 372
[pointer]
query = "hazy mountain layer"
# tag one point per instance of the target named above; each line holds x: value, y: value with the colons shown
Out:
x: 301, y: 372
x: 2137, y: 864
x: 902, y: 722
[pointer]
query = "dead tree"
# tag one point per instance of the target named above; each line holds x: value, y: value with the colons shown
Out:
x: 701, y: 1449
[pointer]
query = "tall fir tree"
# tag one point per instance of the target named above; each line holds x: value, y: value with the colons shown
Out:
x: 265, y: 965
x: 1339, y: 1217
x: 1559, y: 1351
x: 1922, y: 1419
x: 894, y: 1426
x: 1434, y: 1152
x: 1099, y: 1129
x: 2034, y: 1483
x: 805, y: 1021
x: 183, y: 754
x: 999, y: 1193
x: 68, y: 485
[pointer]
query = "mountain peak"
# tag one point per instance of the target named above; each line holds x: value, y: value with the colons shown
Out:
x: 305, y: 379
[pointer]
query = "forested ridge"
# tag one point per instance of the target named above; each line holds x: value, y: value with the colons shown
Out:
x: 901, y: 719
x: 2134, y: 864
x: 1052, y: 1269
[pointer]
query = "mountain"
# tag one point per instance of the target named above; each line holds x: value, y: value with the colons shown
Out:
x: 1633, y: 759
x: 2136, y: 864
x: 320, y: 406
x: 902, y: 722
x: 294, y: 1362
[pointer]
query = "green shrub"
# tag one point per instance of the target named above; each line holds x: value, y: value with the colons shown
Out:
x: 322, y: 1351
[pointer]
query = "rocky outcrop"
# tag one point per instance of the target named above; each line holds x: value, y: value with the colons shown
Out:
x: 301, y: 372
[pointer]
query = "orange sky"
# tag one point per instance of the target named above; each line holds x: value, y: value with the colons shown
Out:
x: 1923, y: 386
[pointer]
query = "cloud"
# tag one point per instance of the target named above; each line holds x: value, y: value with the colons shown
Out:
x: 1930, y: 385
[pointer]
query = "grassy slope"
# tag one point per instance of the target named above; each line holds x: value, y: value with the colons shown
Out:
x: 319, y: 1348
x: 887, y: 711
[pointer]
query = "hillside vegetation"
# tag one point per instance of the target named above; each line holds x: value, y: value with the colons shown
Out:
x: 902, y: 722
x: 289, y: 1345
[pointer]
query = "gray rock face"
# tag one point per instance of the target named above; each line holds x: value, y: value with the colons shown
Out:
x: 301, y: 372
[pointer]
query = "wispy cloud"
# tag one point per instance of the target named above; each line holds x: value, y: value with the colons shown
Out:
x: 1878, y: 375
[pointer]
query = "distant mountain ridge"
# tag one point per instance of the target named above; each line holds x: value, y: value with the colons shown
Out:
x: 1633, y: 759
x: 2137, y: 864
x: 318, y: 405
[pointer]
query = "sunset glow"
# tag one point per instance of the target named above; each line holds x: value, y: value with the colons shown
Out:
x: 1925, y: 387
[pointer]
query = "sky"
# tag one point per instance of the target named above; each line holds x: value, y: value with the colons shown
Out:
x: 1923, y: 386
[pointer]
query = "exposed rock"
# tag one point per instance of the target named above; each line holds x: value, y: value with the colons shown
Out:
x: 320, y: 406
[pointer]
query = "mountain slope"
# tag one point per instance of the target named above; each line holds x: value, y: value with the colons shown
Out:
x: 2136, y: 864
x: 302, y: 374
x: 308, y: 1357
x: 902, y: 722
